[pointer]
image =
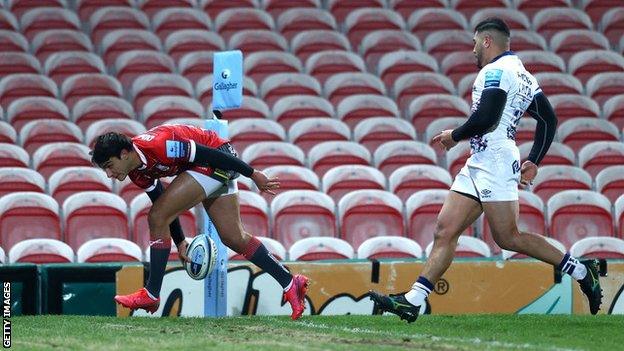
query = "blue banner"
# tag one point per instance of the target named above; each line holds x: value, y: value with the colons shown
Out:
x: 227, y: 87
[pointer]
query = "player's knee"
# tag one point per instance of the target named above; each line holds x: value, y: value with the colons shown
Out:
x: 156, y: 219
x: 443, y: 232
x: 509, y: 241
x: 236, y: 240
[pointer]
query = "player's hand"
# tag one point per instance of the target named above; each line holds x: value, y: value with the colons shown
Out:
x: 528, y: 171
x: 182, y: 248
x: 264, y: 183
x: 445, y: 139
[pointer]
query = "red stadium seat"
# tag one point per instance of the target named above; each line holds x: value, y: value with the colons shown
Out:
x: 124, y: 126
x: 161, y: 109
x: 550, y: 21
x: 438, y: 125
x: 151, y: 7
x: 568, y: 42
x: 53, y: 156
x: 127, y: 190
x: 578, y: 132
x: 577, y: 214
x: 389, y: 247
x: 274, y: 247
x: 553, y: 179
x: 330, y: 154
x: 516, y: 20
x: 456, y: 158
x: 407, y: 180
x: 369, y: 213
x: 41, y: 251
x: 441, y: 43
x: 343, y: 179
x: 603, y: 86
x: 18, y: 62
x: 300, y: 214
x: 18, y: 86
x: 247, y: 131
x: 586, y: 64
x: 321, y: 248
x: 11, y: 41
x: 86, y: 8
x: 8, y: 21
x: 599, y: 155
x: 394, y: 64
x: 374, y: 131
x: 80, y: 86
x: 279, y: 85
x: 250, y: 108
x: 525, y: 130
x: 19, y: 7
x: 619, y: 215
x: 29, y: 109
x: 17, y: 179
x: 292, y: 178
x: 307, y: 43
x: 254, y: 40
x: 527, y: 40
x: 610, y: 182
x: 133, y: 64
x: 362, y: 21
x: 570, y: 106
x: 63, y: 65
x: 553, y: 83
x: 8, y: 133
x: 41, y: 132
x: 119, y: 41
x: 215, y: 7
x: 467, y: 246
x: 231, y: 21
x: 395, y: 154
x: 202, y: 42
x: 28, y: 215
x: 457, y: 65
x: 150, y: 86
x: 13, y: 156
x: 109, y: 250
x: 411, y: 85
x: 464, y: 87
x: 250, y: 90
x: 469, y: 7
x: 327, y: 63
x: 597, y: 8
x: 291, y: 109
x: 95, y: 108
x: 341, y: 9
x: 108, y: 19
x: 174, y: 19
x: 277, y: 7
x: 531, y: 7
x: 612, y: 25
x: 429, y: 20
x: 558, y: 154
x: 356, y: 108
x: 259, y: 65
x: 537, y: 61
x: 613, y: 110
x: 53, y: 41
x: 300, y: 20
x: 272, y: 153
x: 40, y: 19
x: 342, y: 85
x: 377, y: 43
x: 196, y: 65
x: 603, y: 247
x: 68, y: 181
x: 407, y: 7
x: 92, y: 215
x: 254, y: 213
x: 309, y: 132
x: 429, y: 107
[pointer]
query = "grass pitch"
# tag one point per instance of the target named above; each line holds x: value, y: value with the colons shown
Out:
x: 475, y: 332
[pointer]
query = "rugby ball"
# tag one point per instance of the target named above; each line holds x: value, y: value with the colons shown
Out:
x: 202, y: 254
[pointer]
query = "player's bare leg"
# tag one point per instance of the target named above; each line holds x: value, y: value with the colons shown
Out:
x: 224, y: 212
x: 503, y: 219
x: 457, y: 214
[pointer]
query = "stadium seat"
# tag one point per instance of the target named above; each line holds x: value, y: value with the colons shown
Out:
x: 327, y: 155
x: 603, y: 247
x: 321, y: 248
x: 537, y: 61
x: 149, y: 86
x: 309, y: 132
x: 395, y: 154
x: 577, y: 214
x: 568, y: 106
x: 586, y: 64
x: 362, y: 21
x: 19, y: 7
x: 108, y: 19
x: 553, y: 83
x: 291, y: 109
x: 151, y: 7
x: 11, y: 41
x: 507, y: 255
x: 344, y: 179
x: 516, y: 20
x: 18, y: 62
x: 133, y: 64
x: 3, y: 258
x: 259, y: 65
x: 28, y: 109
x: 254, y: 212
x: 80, y: 86
x: 469, y: 7
x: 16, y: 179
x: 70, y: 180
x: 195, y: 66
x: 568, y: 42
x: 441, y: 43
x: 40, y: 19
x: 119, y: 41
x: 467, y: 246
x: 341, y: 85
x: 599, y: 155
x: 527, y: 40
x: 53, y: 156
x: 13, y: 156
x: 558, y: 154
x: 272, y: 153
x: 180, y: 43
x: 407, y: 180
x: 214, y: 7
x: 394, y: 64
x: 41, y: 132
x: 251, y: 107
x: 457, y: 65
x: 531, y: 7
x: 139, y: 210
x: 8, y: 133
x: 96, y: 108
x: 85, y: 8
x: 377, y: 43
x: 324, y: 64
x: 389, y: 247
x: 464, y: 87
x: 230, y: 21
x: 551, y: 21
x: 525, y: 130
x: 456, y: 158
x: 553, y: 179
x: 17, y: 86
x: 300, y: 20
x: 341, y: 9
x: 8, y: 21
x: 610, y: 182
x: 53, y: 41
x: 611, y: 24
x: 175, y: 19
x: 41, y: 251
x: 364, y: 214
x: 300, y: 214
x: 247, y: 131
x: 603, y: 86
x: 124, y: 126
x: 254, y: 40
x: 374, y: 131
x: 292, y: 178
x: 279, y: 85
x: 109, y: 250
x: 421, y: 210
x: 274, y: 247
x: 426, y: 21
x: 307, y: 43
x: 127, y: 190
x: 94, y: 214
x: 619, y: 216
x: 407, y: 7
x: 578, y: 132
x: 431, y: 107
x: 409, y: 86
x: 355, y: 108
x: 28, y: 215
x: 613, y: 110
x: 277, y: 7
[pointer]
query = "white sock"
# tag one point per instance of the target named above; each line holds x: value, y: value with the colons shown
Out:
x: 573, y: 267
x: 417, y: 295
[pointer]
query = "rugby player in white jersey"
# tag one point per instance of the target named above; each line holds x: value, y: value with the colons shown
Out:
x: 488, y: 183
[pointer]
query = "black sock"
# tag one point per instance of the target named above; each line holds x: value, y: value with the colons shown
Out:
x: 260, y: 256
x: 159, y: 255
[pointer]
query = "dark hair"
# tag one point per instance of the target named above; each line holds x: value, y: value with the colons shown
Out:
x: 109, y: 145
x: 493, y: 23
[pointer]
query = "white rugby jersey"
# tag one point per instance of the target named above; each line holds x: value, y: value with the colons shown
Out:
x: 508, y: 73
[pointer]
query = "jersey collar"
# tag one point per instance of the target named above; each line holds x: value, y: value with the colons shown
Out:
x: 506, y: 53
x: 141, y: 156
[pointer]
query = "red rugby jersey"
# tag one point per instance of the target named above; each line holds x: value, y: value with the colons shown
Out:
x: 169, y: 150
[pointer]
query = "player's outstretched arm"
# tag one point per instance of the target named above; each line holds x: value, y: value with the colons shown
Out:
x: 174, y: 227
